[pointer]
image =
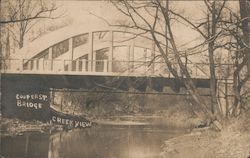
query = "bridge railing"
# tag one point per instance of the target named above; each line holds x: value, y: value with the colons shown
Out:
x: 106, y: 67
x: 82, y: 66
x: 222, y: 70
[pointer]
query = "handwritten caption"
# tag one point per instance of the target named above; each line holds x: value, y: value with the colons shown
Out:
x: 35, y: 101
x: 69, y: 122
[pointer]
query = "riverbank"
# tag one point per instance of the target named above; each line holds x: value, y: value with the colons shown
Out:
x: 11, y: 127
x: 232, y: 142
x: 171, y: 119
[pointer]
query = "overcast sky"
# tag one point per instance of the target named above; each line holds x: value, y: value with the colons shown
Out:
x: 80, y: 14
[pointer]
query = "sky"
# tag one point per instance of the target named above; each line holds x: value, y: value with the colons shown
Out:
x: 80, y: 14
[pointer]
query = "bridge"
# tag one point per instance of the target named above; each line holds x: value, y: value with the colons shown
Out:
x: 114, y: 52
x: 107, y: 58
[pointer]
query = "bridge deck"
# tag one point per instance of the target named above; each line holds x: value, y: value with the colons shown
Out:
x: 102, y: 68
x: 60, y: 81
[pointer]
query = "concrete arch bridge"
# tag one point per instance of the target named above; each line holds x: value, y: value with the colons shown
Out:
x: 101, y: 57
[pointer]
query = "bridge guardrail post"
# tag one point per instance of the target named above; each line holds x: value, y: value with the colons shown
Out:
x: 110, y: 56
x: 91, y: 61
x: 77, y: 65
x: 35, y: 67
x: 29, y: 64
x: 105, y: 67
x: 153, y: 68
x: 84, y: 63
x: 63, y: 69
x: 196, y: 70
x: 7, y: 65
x: 168, y: 71
x: 40, y: 63
x: 62, y: 66
x: 21, y: 65
x: 145, y: 67
x: 94, y: 65
x: 70, y: 67
x: 43, y: 64
x: 128, y: 68
x: 152, y: 59
x: 71, y: 54
x: 51, y: 64
x: 50, y: 57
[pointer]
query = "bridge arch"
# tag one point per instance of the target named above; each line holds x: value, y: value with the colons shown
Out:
x: 98, y: 50
x: 107, y: 49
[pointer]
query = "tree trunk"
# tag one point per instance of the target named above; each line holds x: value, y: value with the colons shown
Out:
x: 188, y: 80
x: 211, y: 36
x: 244, y: 13
x: 236, y: 82
x: 214, y: 104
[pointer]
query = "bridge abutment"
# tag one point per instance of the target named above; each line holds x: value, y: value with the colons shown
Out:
x: 25, y: 98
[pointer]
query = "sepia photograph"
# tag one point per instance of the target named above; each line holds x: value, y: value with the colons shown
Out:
x: 125, y: 78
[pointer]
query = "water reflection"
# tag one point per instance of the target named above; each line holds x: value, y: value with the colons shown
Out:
x: 96, y: 142
x: 29, y: 145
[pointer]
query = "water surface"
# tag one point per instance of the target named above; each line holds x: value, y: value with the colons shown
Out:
x: 103, y: 141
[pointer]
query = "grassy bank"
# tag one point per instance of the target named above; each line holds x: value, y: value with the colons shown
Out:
x: 232, y: 142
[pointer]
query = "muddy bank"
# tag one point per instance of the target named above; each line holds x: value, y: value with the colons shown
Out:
x: 232, y: 142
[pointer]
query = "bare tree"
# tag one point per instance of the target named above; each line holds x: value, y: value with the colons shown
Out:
x: 213, y: 17
x: 245, y: 21
x: 234, y: 30
x: 150, y: 17
x: 20, y: 16
x: 237, y: 26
